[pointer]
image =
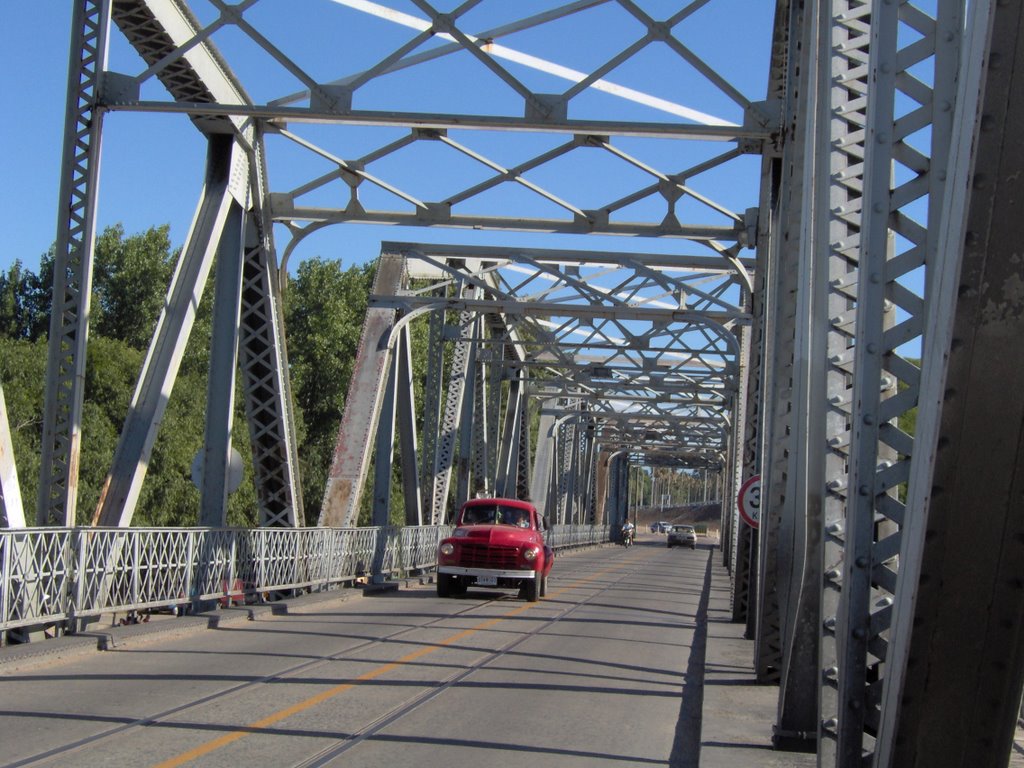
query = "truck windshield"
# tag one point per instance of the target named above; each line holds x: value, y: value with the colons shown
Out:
x: 491, y: 514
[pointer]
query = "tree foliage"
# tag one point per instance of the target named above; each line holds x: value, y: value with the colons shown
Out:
x: 130, y: 280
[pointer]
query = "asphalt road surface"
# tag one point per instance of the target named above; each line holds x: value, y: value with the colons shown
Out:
x: 607, y: 670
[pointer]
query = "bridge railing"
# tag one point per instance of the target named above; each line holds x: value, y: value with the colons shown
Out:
x: 53, y: 575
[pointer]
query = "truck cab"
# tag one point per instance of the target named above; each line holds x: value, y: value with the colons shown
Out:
x: 497, y: 544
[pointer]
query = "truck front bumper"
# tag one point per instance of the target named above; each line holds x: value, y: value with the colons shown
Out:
x: 493, y: 573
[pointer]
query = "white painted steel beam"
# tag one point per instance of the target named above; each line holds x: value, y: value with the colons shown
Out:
x: 12, y: 513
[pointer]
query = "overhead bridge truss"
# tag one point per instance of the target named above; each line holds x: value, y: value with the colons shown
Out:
x: 834, y: 302
x: 638, y: 352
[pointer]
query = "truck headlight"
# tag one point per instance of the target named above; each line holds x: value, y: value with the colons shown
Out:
x: 447, y: 549
x: 530, y: 554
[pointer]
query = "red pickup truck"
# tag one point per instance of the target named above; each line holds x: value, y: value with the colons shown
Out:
x: 496, y: 543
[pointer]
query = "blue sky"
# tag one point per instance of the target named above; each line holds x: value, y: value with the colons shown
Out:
x: 151, y: 168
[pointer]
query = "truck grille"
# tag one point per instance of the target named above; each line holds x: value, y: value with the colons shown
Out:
x: 487, y: 556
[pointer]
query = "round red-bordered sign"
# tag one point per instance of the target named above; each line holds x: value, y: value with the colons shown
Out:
x: 749, y: 501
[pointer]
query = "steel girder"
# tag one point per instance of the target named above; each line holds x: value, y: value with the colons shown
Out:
x: 358, y: 429
x: 12, y: 513
x: 888, y: 193
x: 961, y: 558
x: 788, y: 574
x: 72, y: 267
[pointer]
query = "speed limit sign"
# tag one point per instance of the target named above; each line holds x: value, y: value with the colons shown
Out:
x: 749, y: 501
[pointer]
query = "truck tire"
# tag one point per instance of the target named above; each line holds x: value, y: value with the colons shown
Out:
x: 444, y: 584
x: 531, y: 589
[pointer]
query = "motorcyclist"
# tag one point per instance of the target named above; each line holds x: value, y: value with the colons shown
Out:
x: 628, y: 530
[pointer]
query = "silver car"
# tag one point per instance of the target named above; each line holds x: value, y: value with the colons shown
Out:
x: 683, y: 535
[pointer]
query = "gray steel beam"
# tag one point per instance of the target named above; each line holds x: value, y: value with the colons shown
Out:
x: 406, y: 416
x: 961, y: 558
x: 542, y: 485
x: 263, y: 358
x: 851, y: 39
x: 349, y: 464
x: 470, y: 410
x: 72, y: 266
x: 431, y: 408
x: 220, y: 393
x: 506, y: 482
x: 904, y: 182
x: 384, y: 443
x: 121, y: 490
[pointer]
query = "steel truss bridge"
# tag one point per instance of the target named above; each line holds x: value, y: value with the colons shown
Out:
x: 832, y: 254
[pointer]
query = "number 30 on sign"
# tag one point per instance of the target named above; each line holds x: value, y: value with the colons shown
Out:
x: 749, y: 501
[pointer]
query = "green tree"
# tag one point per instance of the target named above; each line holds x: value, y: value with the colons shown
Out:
x: 130, y: 281
x: 24, y: 304
x: 22, y: 373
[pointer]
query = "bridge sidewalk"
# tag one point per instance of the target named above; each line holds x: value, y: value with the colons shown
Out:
x: 737, y: 713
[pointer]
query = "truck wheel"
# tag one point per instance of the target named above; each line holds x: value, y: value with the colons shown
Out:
x: 444, y: 584
x: 531, y: 589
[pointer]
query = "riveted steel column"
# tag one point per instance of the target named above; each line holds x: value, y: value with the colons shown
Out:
x: 452, y: 416
x: 961, y: 555
x: 263, y: 359
x: 72, y: 266
x: 904, y: 176
x: 220, y: 393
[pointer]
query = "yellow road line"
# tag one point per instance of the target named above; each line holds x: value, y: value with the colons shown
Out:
x: 330, y: 693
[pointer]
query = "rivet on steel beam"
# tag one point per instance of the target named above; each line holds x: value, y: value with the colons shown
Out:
x: 835, y: 528
x: 885, y: 602
x: 859, y: 633
x: 868, y: 419
x: 831, y: 673
x: 830, y: 623
x: 861, y: 561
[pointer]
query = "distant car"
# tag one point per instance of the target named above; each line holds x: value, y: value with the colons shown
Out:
x: 683, y: 535
x: 661, y: 527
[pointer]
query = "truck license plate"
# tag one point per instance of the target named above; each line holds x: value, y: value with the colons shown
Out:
x: 487, y: 581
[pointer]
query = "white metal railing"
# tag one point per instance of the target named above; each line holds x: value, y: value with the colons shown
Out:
x: 52, y: 575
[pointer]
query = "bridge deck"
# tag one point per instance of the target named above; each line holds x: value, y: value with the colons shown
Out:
x: 630, y: 660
